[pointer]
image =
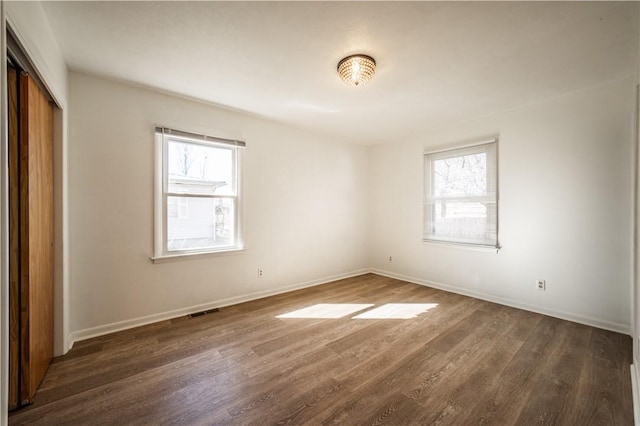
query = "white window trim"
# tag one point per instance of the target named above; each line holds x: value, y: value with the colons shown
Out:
x: 445, y: 153
x: 160, y: 252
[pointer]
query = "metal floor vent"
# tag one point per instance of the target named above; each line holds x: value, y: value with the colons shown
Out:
x: 199, y: 314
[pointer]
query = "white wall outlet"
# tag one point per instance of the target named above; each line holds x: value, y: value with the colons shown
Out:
x: 259, y: 273
x: 541, y: 285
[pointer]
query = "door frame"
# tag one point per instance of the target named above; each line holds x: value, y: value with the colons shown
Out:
x: 4, y: 226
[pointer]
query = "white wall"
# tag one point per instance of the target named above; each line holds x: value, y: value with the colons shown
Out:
x: 565, y: 173
x: 29, y: 22
x: 305, y: 206
x: 565, y: 209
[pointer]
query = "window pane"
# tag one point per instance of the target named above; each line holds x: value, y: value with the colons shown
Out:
x: 464, y: 175
x: 468, y: 222
x: 200, y: 169
x: 200, y: 223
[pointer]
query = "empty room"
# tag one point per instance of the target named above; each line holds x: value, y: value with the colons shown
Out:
x: 313, y: 213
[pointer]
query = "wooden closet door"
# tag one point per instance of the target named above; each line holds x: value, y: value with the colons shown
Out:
x: 14, y: 238
x: 36, y: 235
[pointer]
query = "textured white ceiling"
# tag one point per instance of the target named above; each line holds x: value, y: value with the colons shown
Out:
x: 437, y: 62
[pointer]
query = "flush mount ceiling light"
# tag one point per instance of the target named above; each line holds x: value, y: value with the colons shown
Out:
x: 357, y: 70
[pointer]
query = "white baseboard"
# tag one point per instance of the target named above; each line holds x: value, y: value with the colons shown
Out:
x: 88, y: 333
x: 594, y: 322
x: 636, y: 395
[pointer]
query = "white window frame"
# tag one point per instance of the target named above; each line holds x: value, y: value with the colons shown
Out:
x: 161, y: 193
x: 490, y: 147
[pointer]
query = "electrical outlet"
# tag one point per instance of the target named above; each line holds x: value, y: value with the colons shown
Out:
x: 390, y: 259
x: 259, y: 273
x: 541, y: 285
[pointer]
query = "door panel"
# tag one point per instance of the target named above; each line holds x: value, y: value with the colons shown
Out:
x: 36, y: 234
x: 30, y: 236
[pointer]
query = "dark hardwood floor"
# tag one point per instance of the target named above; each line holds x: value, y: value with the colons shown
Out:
x: 462, y: 362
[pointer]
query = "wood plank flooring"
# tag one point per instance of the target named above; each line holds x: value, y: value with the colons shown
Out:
x: 462, y: 362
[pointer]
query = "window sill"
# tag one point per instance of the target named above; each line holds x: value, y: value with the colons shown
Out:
x: 195, y: 255
x: 463, y: 246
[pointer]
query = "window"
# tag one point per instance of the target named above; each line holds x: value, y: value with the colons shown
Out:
x: 197, y: 208
x: 461, y: 203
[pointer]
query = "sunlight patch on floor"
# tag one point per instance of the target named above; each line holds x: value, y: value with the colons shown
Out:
x: 339, y: 310
x: 397, y: 311
x: 327, y: 310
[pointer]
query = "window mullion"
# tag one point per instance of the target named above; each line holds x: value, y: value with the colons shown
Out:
x: 467, y: 199
x: 187, y: 194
